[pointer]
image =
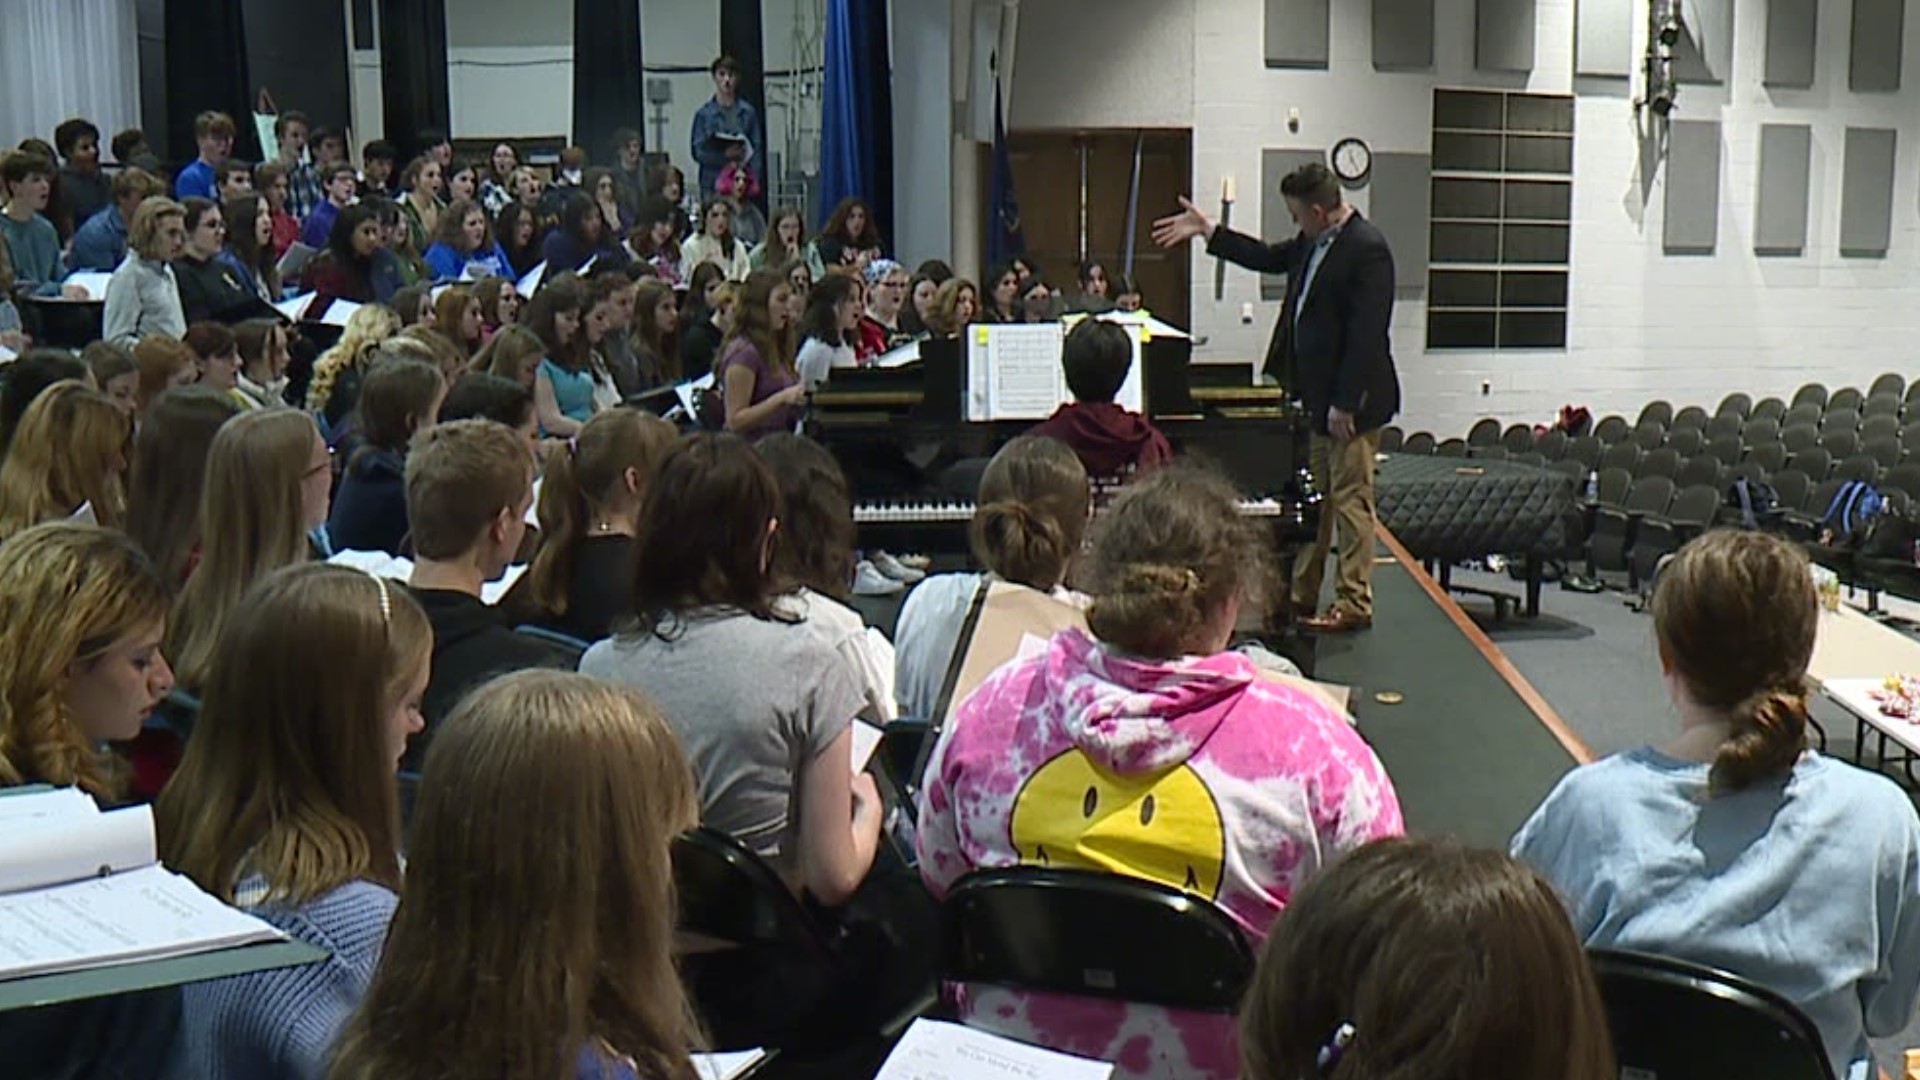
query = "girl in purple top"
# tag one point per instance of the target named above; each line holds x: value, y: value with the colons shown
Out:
x: 759, y: 385
x: 1146, y: 749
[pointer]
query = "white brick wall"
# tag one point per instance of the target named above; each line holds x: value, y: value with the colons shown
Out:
x: 1643, y: 325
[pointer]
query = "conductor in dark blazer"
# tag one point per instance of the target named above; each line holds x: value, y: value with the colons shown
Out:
x: 1331, y: 350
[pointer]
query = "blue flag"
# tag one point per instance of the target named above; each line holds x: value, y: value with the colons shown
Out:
x: 1004, y: 238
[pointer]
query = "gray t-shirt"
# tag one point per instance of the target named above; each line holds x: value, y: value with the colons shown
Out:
x: 752, y: 700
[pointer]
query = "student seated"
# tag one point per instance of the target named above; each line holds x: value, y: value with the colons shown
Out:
x: 115, y: 373
x: 1115, y: 445
x: 1027, y: 531
x: 337, y: 374
x: 1061, y: 760
x: 401, y: 397
x: 815, y: 553
x: 168, y: 477
x: 69, y: 459
x: 581, y: 581
x: 1419, y: 957
x: 81, y: 614
x: 143, y: 293
x: 829, y: 330
x: 479, y: 396
x: 101, y: 241
x: 455, y: 993
x: 286, y: 806
x: 468, y: 487
x: 22, y: 382
x: 1735, y: 845
x: 267, y: 486
x: 770, y: 740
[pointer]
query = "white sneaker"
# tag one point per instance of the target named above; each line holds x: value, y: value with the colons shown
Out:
x: 895, y: 569
x: 915, y: 562
x: 869, y: 581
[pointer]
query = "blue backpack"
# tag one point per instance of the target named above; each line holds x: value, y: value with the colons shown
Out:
x: 1756, y: 501
x: 1853, y: 511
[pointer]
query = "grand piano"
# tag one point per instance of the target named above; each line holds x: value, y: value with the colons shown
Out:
x: 913, y: 462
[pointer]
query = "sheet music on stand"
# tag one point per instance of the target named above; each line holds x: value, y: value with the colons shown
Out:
x: 1014, y: 372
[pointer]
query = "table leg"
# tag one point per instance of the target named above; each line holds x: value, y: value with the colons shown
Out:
x: 1534, y: 571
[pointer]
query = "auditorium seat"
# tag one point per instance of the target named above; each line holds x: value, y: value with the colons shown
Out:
x: 1612, y: 429
x: 1879, y: 426
x: 1892, y: 384
x: 1090, y: 934
x: 1814, y: 461
x: 1884, y: 450
x: 1735, y: 404
x: 1687, y: 442
x: 1670, y: 1018
x: 1488, y: 453
x: 1791, y: 487
x: 1842, y: 443
x: 1699, y: 471
x: 1858, y: 467
x: 1765, y: 429
x: 1912, y: 395
x: 1882, y: 405
x: 1623, y: 456
x: 1420, y: 442
x: 1726, y: 449
x: 1693, y: 416
x: 1904, y: 479
x: 1803, y: 416
x: 1659, y: 413
x: 1613, y: 527
x: 1662, y: 462
x: 1768, y: 409
x: 1451, y: 448
x: 1552, y: 444
x: 1746, y: 470
x: 1659, y: 535
x: 1725, y: 425
x: 1771, y: 457
x: 1799, y: 437
x: 1846, y: 398
x: 1391, y: 439
x: 1811, y: 394
x: 1840, y: 420
x: 1649, y: 436
x: 1586, y: 449
x: 1485, y: 432
x: 1518, y: 438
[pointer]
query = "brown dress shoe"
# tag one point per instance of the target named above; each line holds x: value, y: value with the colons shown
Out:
x: 1336, y: 621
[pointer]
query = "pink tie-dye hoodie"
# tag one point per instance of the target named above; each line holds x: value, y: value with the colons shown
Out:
x: 1197, y: 773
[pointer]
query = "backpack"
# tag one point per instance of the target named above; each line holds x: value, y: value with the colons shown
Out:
x: 1892, y: 534
x: 1851, y: 514
x: 1756, y: 502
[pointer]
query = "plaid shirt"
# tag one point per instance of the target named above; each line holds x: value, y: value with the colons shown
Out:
x: 303, y: 190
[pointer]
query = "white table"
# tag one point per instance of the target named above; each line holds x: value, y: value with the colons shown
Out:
x: 1853, y: 653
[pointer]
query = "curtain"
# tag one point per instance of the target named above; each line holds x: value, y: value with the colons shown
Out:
x: 856, y: 113
x: 413, y: 72
x: 47, y: 81
x: 608, y: 86
x: 206, y: 50
x: 742, y: 38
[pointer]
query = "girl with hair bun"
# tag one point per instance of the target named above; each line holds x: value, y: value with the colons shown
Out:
x: 1032, y: 516
x: 1143, y: 747
x: 1733, y: 844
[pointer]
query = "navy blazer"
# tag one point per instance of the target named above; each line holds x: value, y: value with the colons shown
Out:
x: 1339, y: 351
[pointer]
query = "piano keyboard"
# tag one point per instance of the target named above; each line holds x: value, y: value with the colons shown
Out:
x: 941, y: 512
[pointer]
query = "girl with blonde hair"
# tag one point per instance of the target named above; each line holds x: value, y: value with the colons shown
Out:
x: 81, y: 613
x: 286, y: 805
x: 514, y: 353
x: 335, y: 388
x: 955, y: 305
x: 581, y: 580
x: 504, y: 961
x: 267, y: 485
x: 69, y: 456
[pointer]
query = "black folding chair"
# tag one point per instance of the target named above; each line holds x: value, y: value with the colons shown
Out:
x: 1682, y: 1021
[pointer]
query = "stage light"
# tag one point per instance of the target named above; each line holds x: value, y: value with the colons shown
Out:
x: 1667, y: 22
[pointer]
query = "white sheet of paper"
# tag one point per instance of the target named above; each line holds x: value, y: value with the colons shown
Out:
x: 899, y: 357
x: 339, y: 312
x: 1025, y: 380
x: 36, y: 853
x: 938, y: 1050
x: 727, y: 1065
x: 60, y: 804
x: 1149, y: 323
x: 866, y: 739
x: 527, y: 285
x: 438, y: 289
x: 587, y: 267
x: 686, y: 392
x: 533, y: 504
x: 295, y: 260
x: 143, y: 914
x: 93, y: 281
x: 7, y: 355
x: 294, y: 308
x: 395, y: 568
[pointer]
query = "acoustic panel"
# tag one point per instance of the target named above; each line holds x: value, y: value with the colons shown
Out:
x: 1877, y: 29
x: 1297, y: 33
x: 1503, y: 35
x: 1400, y: 194
x: 1866, y: 192
x: 1692, y: 224
x: 1603, y: 38
x: 1793, y: 32
x: 1403, y: 35
x: 1704, y: 55
x: 1275, y: 223
x: 1780, y: 211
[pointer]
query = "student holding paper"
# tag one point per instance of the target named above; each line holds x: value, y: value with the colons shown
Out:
x: 81, y: 614
x: 575, y: 976
x: 581, y: 580
x: 1143, y: 747
x: 285, y: 805
x: 464, y: 249
x: 762, y: 391
x: 69, y: 457
x: 143, y: 296
x: 771, y: 739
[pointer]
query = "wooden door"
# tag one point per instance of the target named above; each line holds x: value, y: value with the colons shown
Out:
x: 1069, y: 213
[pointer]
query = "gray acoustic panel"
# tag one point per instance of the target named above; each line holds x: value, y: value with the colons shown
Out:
x: 1693, y: 188
x: 1780, y: 211
x: 1297, y: 33
x: 1704, y: 55
x: 1877, y: 29
x: 1400, y: 193
x: 1866, y: 192
x: 1275, y: 223
x: 1403, y: 35
x: 1503, y: 35
x: 1793, y: 32
x: 1603, y: 38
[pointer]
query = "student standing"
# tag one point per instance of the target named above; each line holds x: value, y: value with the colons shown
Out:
x: 292, y: 129
x: 83, y: 187
x: 727, y: 129
x: 213, y: 134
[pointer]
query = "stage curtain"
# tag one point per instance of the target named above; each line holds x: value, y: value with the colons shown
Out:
x: 742, y: 38
x: 609, y: 88
x: 45, y: 84
x: 856, y: 123
x: 413, y: 73
x: 206, y: 50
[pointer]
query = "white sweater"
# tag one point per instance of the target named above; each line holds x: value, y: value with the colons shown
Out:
x: 142, y: 299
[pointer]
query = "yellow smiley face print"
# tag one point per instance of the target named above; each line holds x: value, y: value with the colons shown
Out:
x: 1162, y: 826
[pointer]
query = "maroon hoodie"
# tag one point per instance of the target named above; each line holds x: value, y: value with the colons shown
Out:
x: 1107, y: 438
